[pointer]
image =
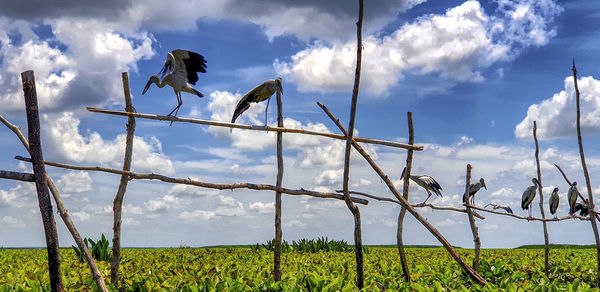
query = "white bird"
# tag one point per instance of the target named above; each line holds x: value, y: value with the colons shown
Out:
x: 258, y: 94
x: 572, y: 195
x: 496, y: 206
x: 473, y: 189
x: 427, y: 182
x: 529, y: 195
x: 554, y: 202
x: 179, y: 71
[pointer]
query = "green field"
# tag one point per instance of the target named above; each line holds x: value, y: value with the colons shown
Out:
x: 242, y: 269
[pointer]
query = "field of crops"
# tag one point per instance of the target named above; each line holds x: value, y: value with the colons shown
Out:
x: 244, y: 269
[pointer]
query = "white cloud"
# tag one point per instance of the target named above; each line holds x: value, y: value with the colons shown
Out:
x: 556, y: 116
x: 163, y: 204
x: 330, y: 177
x: 262, y: 208
x: 180, y: 190
x: 237, y: 210
x: 9, y: 221
x: 81, y: 216
x: 74, y: 182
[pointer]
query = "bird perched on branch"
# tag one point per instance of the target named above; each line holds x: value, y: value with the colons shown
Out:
x: 473, y: 189
x: 572, y: 195
x: 496, y: 206
x: 258, y: 94
x: 529, y: 195
x: 179, y: 71
x: 583, y: 208
x: 427, y: 182
x: 554, y: 202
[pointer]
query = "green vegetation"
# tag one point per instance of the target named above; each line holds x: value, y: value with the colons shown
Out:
x: 99, y: 250
x: 306, y: 245
x: 244, y: 269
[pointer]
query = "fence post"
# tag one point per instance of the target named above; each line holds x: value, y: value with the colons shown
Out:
x: 399, y: 240
x: 277, y: 253
x: 39, y: 171
x: 474, y: 230
x: 539, y: 177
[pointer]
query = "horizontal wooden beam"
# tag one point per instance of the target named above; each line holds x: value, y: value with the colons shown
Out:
x: 17, y: 175
x: 253, y: 127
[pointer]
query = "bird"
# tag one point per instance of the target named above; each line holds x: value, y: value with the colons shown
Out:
x: 554, y: 202
x: 529, y: 195
x: 473, y: 189
x: 257, y: 94
x: 583, y: 208
x: 179, y: 71
x: 427, y: 182
x: 572, y: 195
x: 496, y: 206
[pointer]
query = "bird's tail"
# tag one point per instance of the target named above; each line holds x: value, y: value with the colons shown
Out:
x: 241, y: 107
x: 198, y: 93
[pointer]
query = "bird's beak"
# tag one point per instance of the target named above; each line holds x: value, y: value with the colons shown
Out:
x: 403, y: 172
x: 484, y: 186
x: 147, y: 86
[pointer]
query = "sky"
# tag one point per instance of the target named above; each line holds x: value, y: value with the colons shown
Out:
x: 475, y: 75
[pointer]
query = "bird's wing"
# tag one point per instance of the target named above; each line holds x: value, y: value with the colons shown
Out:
x: 167, y: 67
x: 241, y: 107
x: 193, y: 63
x: 508, y: 210
x: 430, y: 181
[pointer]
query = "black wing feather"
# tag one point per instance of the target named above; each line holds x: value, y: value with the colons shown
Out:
x: 193, y: 63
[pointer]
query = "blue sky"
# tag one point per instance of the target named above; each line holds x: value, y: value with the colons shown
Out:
x: 475, y: 74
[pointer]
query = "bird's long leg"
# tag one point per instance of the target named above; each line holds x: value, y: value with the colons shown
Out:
x: 176, y: 109
x: 267, y: 110
x: 429, y: 195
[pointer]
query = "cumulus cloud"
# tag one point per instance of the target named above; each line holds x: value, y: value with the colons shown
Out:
x: 330, y: 176
x: 74, y: 182
x: 237, y: 210
x: 556, y: 116
x: 458, y: 45
x: 262, y: 208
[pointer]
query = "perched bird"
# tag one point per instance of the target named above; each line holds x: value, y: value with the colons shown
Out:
x: 179, y: 71
x: 583, y: 208
x: 473, y: 189
x: 572, y: 195
x: 554, y: 202
x: 529, y: 195
x: 258, y: 94
x: 426, y: 182
x: 496, y: 206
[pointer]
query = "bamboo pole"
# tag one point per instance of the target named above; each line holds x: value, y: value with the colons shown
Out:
x: 17, y: 175
x: 188, y: 181
x: 474, y: 275
x: 254, y: 127
x: 587, y: 176
x: 64, y: 214
x: 399, y: 239
x: 470, y: 212
x: 420, y: 205
x: 278, y: 239
x: 118, y: 201
x: 539, y: 177
x: 353, y: 208
x: 39, y: 172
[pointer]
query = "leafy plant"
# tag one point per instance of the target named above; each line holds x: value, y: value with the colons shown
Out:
x: 99, y: 249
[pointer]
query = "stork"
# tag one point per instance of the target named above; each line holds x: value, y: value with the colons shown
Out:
x: 473, y: 189
x: 554, y: 202
x: 529, y: 195
x: 583, y: 208
x: 179, y: 71
x: 427, y: 182
x: 572, y: 195
x: 496, y: 206
x: 258, y: 94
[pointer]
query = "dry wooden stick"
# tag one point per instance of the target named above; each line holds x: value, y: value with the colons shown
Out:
x: 470, y: 212
x: 118, y: 201
x: 400, y: 227
x: 353, y: 208
x: 253, y: 127
x: 531, y: 218
x: 188, y: 181
x: 64, y: 214
x: 569, y: 182
x: 278, y: 239
x: 6, y: 174
x: 474, y: 275
x: 39, y: 172
x: 587, y: 176
x: 539, y: 177
x: 420, y: 205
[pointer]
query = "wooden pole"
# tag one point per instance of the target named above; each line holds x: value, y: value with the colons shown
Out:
x: 570, y: 184
x: 39, y: 172
x: 474, y: 275
x: 353, y: 208
x: 118, y: 201
x: 587, y: 176
x: 278, y: 239
x: 255, y: 128
x: 17, y: 175
x: 399, y: 240
x: 539, y: 177
x: 470, y: 212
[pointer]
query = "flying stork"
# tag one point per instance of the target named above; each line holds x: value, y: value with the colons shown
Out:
x: 554, y: 202
x: 427, y: 182
x: 529, y: 195
x: 179, y: 71
x: 473, y: 189
x: 572, y: 195
x: 496, y: 206
x: 258, y: 94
